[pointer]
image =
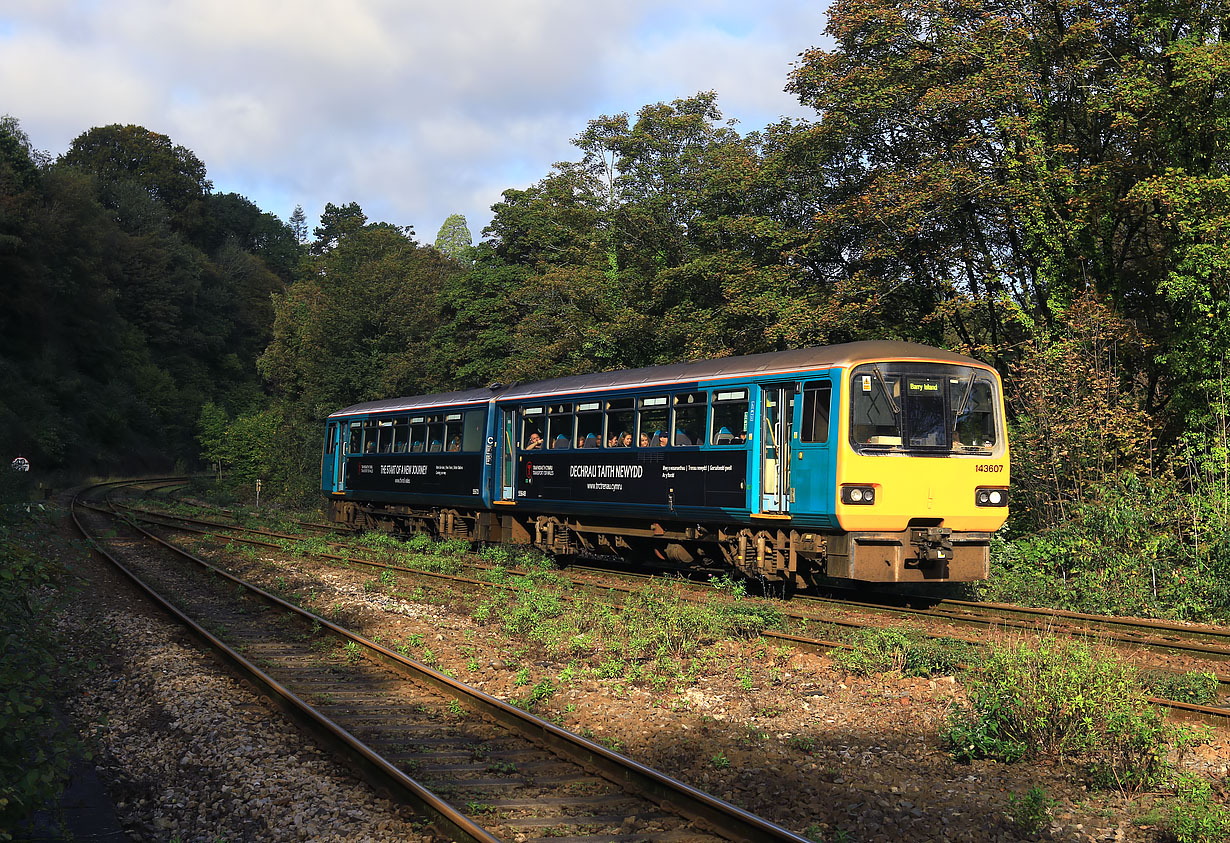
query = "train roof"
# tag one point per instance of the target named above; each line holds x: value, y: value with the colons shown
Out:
x: 733, y: 368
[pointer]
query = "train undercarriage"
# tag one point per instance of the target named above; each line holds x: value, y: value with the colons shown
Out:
x: 797, y: 558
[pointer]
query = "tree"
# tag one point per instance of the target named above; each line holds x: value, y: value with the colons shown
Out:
x: 123, y: 156
x: 454, y: 238
x: 993, y: 163
x: 298, y: 225
x: 335, y: 223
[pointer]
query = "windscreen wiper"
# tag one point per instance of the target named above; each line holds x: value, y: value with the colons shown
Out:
x: 969, y: 388
x: 887, y: 394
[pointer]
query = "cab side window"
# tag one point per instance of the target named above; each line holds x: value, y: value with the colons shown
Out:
x: 817, y: 396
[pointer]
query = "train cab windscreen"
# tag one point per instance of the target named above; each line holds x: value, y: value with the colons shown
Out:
x: 924, y: 408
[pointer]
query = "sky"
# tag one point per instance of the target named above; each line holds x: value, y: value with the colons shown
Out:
x: 414, y: 110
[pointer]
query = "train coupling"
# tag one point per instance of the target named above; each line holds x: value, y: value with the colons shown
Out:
x: 932, y: 544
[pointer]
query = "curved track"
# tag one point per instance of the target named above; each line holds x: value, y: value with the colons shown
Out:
x: 512, y: 774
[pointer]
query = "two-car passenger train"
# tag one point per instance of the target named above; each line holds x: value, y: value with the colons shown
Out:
x: 878, y: 461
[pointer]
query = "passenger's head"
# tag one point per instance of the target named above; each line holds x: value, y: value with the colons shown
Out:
x: 644, y: 440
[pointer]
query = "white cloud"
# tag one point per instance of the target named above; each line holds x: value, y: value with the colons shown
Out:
x: 414, y: 110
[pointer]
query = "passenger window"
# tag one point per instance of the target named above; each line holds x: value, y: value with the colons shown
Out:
x: 371, y: 436
x: 452, y: 432
x: 435, y: 434
x: 472, y: 431
x: 817, y: 396
x: 384, y: 441
x: 533, y: 428
x: 652, y: 423
x: 589, y: 424
x: 400, y: 434
x: 689, y: 425
x: 621, y: 422
x: 355, y: 445
x: 729, y: 417
x: 418, y: 434
x: 559, y: 426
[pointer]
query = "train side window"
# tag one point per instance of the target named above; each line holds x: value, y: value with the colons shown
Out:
x: 472, y: 431
x: 689, y: 425
x: 355, y: 445
x: 730, y: 409
x: 452, y: 432
x: 401, y: 433
x: 621, y: 422
x: 435, y: 434
x: 652, y: 422
x: 559, y: 426
x: 533, y: 421
x: 817, y: 395
x: 371, y: 436
x: 589, y: 424
x: 418, y: 434
x: 384, y: 434
x: 330, y: 438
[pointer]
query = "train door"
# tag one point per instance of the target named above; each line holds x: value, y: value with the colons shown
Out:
x: 328, y: 463
x: 508, y: 455
x: 776, y: 427
x: 813, y: 440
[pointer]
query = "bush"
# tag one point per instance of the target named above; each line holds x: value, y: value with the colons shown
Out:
x: 1031, y: 812
x: 1194, y: 815
x: 34, y: 752
x: 1198, y: 687
x: 1064, y: 698
x: 903, y: 652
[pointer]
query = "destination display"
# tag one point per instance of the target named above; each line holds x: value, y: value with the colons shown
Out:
x: 438, y: 474
x: 661, y: 478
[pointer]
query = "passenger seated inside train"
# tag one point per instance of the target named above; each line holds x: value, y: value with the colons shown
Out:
x: 454, y: 444
x: 625, y: 440
x: 661, y: 438
x: 535, y: 442
x: 644, y: 440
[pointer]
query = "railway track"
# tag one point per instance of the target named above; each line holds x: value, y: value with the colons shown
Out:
x: 480, y: 768
x: 835, y: 612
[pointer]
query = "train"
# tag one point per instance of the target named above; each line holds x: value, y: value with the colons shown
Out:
x: 876, y: 461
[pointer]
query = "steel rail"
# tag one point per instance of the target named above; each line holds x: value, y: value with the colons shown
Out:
x: 449, y: 819
x: 725, y: 819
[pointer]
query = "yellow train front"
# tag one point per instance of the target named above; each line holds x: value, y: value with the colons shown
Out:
x: 922, y: 472
x: 874, y: 461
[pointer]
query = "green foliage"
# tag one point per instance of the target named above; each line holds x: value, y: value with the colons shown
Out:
x: 454, y: 238
x: 900, y: 651
x: 1064, y: 698
x: 1198, y: 687
x: 1032, y: 812
x: 1195, y: 814
x: 34, y: 751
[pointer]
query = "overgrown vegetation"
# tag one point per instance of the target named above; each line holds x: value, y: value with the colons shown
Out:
x: 34, y: 750
x: 1195, y: 814
x: 903, y: 652
x: 653, y: 635
x: 1065, y: 699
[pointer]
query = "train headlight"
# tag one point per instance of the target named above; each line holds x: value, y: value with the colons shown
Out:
x: 991, y: 497
x: 861, y: 495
